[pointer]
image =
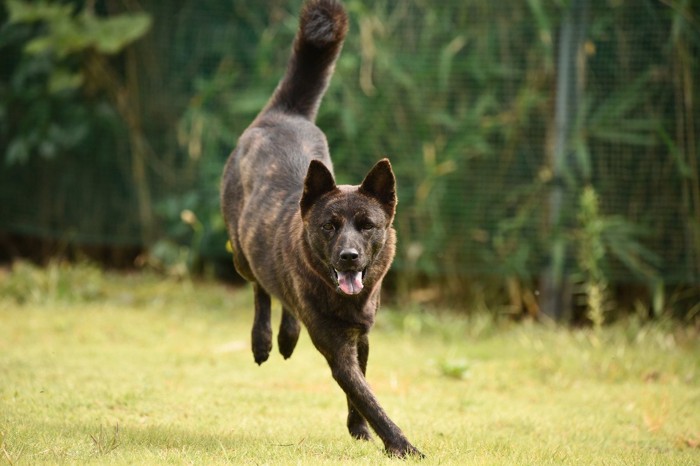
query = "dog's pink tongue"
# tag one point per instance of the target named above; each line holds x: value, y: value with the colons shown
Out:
x: 350, y: 282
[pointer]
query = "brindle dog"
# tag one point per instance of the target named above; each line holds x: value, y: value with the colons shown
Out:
x: 320, y: 248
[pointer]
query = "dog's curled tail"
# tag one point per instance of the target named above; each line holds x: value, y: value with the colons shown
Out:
x: 322, y: 28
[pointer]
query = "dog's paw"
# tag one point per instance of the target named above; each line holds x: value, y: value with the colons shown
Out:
x: 287, y: 345
x: 360, y: 431
x: 261, y: 354
x: 404, y: 450
x: 262, y: 345
x: 287, y: 341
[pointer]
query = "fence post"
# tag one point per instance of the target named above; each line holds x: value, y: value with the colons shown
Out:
x: 555, y: 293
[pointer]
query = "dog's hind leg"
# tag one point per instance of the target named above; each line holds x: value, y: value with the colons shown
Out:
x: 262, y: 328
x: 289, y: 333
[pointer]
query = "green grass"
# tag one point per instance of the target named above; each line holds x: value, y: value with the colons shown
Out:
x: 113, y: 369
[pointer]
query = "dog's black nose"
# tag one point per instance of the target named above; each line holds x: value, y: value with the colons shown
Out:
x: 349, y: 255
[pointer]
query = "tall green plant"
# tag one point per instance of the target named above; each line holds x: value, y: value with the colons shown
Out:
x: 600, y: 240
x: 590, y: 256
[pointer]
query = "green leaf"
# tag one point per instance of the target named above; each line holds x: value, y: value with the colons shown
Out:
x: 17, y: 152
x: 683, y: 168
x: 38, y: 45
x: 113, y: 34
x: 447, y: 55
x: 619, y: 135
x: 25, y: 12
x: 63, y: 80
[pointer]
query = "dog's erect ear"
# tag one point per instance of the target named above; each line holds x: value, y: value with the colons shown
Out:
x: 380, y: 184
x: 318, y: 182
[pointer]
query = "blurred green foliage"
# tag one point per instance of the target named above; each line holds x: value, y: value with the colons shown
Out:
x: 113, y: 148
x: 42, y: 113
x: 58, y: 282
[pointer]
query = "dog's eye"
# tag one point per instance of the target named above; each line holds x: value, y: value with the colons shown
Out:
x: 367, y: 226
x: 328, y: 226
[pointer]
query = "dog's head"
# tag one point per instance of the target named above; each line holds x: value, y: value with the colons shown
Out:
x: 347, y: 227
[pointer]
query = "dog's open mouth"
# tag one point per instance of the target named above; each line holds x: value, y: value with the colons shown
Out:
x: 350, y: 281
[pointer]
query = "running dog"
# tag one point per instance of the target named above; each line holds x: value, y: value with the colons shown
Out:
x: 322, y: 249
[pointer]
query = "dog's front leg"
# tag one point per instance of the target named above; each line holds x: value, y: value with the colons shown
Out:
x: 357, y: 425
x: 340, y: 347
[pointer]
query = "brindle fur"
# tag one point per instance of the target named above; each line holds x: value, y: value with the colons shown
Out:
x: 291, y: 227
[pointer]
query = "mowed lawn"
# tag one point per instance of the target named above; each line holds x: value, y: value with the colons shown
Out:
x: 102, y: 368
